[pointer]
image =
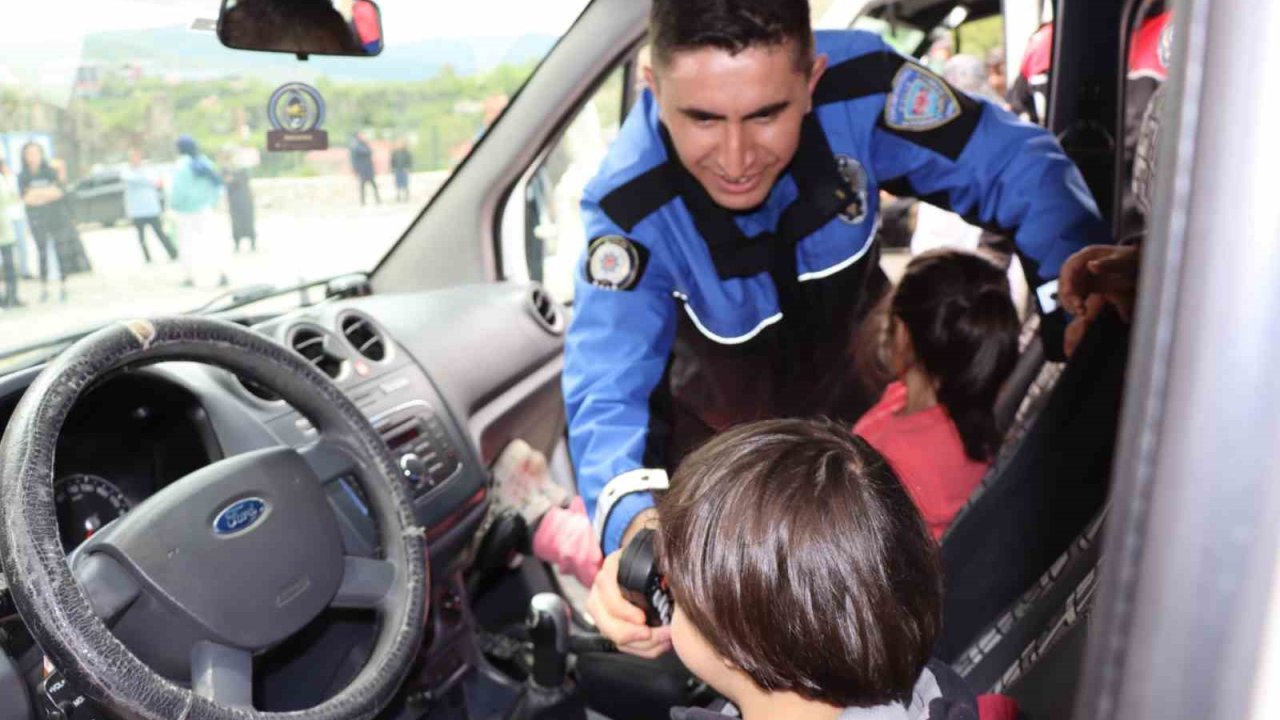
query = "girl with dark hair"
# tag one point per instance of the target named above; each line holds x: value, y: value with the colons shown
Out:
x: 42, y: 185
x: 953, y: 339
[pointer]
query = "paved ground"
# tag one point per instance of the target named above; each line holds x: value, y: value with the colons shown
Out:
x: 292, y: 246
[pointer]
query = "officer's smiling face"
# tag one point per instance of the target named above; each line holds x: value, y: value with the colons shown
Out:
x: 735, y: 118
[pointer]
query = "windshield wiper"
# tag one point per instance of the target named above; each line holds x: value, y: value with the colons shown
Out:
x: 338, y: 286
x: 38, y: 352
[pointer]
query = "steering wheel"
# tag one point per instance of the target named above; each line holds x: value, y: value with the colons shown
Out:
x: 224, y: 563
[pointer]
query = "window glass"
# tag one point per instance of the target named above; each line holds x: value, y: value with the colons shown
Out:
x: 551, y: 194
x: 98, y: 94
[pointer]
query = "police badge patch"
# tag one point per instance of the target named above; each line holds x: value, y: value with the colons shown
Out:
x: 615, y: 263
x: 919, y: 101
x: 855, y: 179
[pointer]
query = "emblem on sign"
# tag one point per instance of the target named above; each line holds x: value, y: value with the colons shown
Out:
x: 614, y: 263
x: 855, y: 180
x: 919, y: 101
x: 296, y: 112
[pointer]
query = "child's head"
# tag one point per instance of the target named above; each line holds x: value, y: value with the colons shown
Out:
x: 953, y: 319
x: 798, y: 564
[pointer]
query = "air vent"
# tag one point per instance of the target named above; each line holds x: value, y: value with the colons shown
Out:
x: 310, y: 344
x: 546, y: 310
x: 364, y: 336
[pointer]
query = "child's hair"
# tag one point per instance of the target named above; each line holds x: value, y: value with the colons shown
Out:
x: 794, y: 550
x: 964, y: 333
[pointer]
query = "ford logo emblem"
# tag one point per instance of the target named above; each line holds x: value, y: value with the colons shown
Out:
x: 239, y: 516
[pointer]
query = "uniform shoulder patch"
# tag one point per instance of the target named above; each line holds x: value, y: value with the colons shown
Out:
x: 615, y: 262
x: 919, y: 101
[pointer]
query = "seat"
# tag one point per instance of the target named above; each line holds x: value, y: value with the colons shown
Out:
x: 1007, y: 649
x: 1040, y: 495
x: 1034, y: 652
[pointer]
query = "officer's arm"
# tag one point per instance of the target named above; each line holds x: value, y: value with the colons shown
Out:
x: 936, y: 143
x: 616, y: 357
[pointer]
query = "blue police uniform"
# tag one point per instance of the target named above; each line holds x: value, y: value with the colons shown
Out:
x: 690, y: 318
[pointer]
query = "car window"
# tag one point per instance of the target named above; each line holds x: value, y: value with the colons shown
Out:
x: 543, y: 213
x: 86, y: 85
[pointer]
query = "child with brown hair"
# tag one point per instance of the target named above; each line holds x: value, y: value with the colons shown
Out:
x: 805, y: 584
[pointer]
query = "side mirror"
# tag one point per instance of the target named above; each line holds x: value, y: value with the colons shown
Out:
x: 302, y: 27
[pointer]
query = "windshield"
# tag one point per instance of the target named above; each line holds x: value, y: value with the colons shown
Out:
x: 138, y: 178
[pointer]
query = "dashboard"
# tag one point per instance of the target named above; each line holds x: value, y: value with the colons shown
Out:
x: 446, y: 377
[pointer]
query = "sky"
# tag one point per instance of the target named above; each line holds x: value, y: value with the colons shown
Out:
x: 46, y: 51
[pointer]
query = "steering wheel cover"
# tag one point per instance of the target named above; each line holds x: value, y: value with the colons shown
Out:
x: 56, y: 609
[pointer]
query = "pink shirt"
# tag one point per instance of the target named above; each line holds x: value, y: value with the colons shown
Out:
x: 926, y: 451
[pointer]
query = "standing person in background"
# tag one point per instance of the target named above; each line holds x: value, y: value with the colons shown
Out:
x: 8, y: 236
x: 940, y: 52
x: 362, y: 164
x: 42, y: 185
x: 240, y: 201
x: 970, y: 74
x: 1029, y: 96
x: 996, y: 76
x: 401, y: 164
x: 142, y: 205
x: 197, y: 186
x: 16, y: 217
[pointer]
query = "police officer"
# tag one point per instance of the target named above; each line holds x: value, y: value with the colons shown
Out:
x: 731, y: 255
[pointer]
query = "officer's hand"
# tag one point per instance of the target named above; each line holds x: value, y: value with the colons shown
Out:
x: 1106, y: 270
x: 619, y: 620
x: 1075, y: 332
x: 1116, y: 279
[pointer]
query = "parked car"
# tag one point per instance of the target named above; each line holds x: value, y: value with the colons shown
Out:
x: 98, y: 198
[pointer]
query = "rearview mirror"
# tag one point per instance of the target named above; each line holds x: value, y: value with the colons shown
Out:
x: 302, y: 27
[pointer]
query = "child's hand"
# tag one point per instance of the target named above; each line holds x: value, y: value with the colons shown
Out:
x: 619, y: 620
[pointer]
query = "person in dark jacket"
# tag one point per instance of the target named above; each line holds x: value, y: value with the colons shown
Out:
x: 362, y: 164
x: 402, y: 165
x: 240, y: 203
x: 798, y: 519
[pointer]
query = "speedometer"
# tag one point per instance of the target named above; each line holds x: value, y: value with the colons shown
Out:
x: 84, y: 504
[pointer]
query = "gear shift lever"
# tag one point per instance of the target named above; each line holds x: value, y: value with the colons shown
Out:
x: 549, y: 630
x: 549, y: 694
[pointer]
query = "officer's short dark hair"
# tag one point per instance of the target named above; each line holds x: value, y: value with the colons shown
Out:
x: 794, y: 549
x: 731, y: 25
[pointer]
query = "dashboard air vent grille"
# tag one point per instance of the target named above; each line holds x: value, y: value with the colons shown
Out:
x: 310, y: 344
x: 364, y: 337
x: 546, y: 310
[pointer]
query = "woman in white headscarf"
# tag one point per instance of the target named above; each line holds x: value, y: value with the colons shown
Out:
x: 196, y: 189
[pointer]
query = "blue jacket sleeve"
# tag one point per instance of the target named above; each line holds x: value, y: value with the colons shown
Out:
x: 616, y: 356
x: 1007, y: 173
